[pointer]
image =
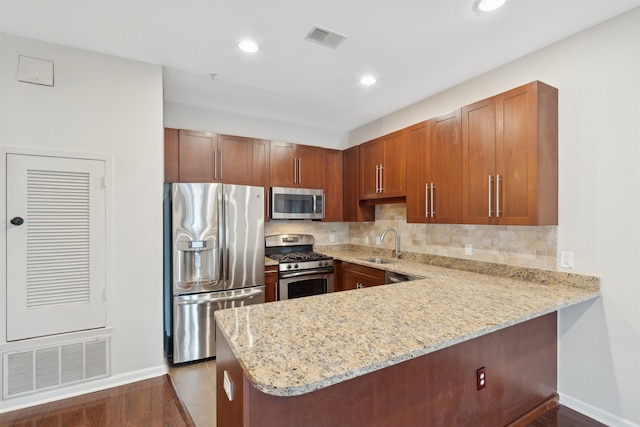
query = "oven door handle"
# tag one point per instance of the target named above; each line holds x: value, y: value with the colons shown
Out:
x: 304, y: 273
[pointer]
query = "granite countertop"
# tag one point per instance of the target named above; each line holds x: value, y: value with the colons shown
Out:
x: 269, y: 262
x: 293, y: 347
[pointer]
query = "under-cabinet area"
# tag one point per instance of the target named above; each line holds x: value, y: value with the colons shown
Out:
x: 491, y: 162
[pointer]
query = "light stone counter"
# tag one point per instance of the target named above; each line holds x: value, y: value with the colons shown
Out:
x: 293, y: 347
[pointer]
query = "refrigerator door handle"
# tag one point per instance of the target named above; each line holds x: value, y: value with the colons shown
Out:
x: 221, y: 235
x: 226, y: 236
x: 234, y: 296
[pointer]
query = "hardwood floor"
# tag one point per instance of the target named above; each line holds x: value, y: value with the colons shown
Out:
x: 154, y: 402
x: 150, y: 403
x: 561, y: 416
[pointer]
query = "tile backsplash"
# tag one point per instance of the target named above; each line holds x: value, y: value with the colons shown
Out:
x: 514, y: 245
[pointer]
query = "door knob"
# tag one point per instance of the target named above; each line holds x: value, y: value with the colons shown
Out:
x: 17, y: 221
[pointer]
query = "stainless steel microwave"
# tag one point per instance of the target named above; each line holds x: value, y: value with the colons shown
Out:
x: 296, y: 203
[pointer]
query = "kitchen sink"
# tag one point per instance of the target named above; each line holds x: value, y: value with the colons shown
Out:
x: 380, y: 260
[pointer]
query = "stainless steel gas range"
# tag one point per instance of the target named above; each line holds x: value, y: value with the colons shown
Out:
x: 301, y: 272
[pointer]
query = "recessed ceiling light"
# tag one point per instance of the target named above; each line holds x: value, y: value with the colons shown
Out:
x: 248, y: 46
x: 367, y: 80
x: 487, y: 5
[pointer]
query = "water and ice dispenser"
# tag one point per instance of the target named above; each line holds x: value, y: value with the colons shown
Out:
x: 196, y: 266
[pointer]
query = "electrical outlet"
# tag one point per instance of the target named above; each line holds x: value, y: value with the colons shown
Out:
x: 332, y: 237
x: 468, y: 249
x: 481, y: 378
x: 366, y: 240
x: 378, y: 241
x: 566, y: 259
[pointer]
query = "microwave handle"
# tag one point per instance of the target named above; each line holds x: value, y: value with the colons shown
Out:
x: 315, y: 201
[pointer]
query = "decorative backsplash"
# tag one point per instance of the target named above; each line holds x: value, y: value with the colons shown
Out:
x: 514, y: 245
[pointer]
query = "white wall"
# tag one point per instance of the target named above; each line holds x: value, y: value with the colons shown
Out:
x: 108, y: 106
x: 597, y: 73
x: 181, y: 116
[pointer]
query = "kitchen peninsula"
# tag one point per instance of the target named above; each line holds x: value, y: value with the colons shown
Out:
x: 401, y: 354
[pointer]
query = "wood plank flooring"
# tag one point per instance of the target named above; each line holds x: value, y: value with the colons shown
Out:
x: 561, y: 416
x: 154, y: 402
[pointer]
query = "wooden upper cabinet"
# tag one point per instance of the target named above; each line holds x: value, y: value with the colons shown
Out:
x: 479, y: 161
x: 371, y: 154
x: 383, y: 167
x: 194, y: 156
x: 197, y: 152
x: 353, y: 210
x: 171, y: 155
x: 234, y: 160
x: 434, y: 171
x: 394, y: 166
x: 522, y: 188
x: 418, y: 177
x: 293, y: 165
x: 261, y: 170
x: 332, y: 185
x: 445, y: 194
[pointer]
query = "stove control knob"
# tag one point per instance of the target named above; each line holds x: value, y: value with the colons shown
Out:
x: 320, y: 264
x: 295, y: 266
x: 288, y: 266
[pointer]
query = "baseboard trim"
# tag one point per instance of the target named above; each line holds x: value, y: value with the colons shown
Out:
x: 80, y: 389
x: 595, y: 413
x: 535, y: 412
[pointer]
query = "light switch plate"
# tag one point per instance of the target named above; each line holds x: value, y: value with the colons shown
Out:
x: 228, y: 386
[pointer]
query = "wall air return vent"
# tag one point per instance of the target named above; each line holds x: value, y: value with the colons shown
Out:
x: 28, y: 371
x: 325, y: 37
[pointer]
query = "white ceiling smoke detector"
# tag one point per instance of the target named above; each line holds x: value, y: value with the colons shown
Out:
x: 325, y: 37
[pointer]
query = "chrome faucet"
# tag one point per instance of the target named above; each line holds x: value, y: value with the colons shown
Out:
x: 396, y: 252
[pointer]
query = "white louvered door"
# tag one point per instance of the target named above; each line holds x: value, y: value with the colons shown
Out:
x: 56, y: 263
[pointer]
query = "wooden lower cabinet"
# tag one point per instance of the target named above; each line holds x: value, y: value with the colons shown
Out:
x: 354, y: 276
x: 437, y: 389
x: 271, y: 283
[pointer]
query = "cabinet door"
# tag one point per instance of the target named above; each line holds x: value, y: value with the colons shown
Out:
x: 332, y: 185
x: 171, y: 155
x: 261, y: 170
x: 393, y: 176
x: 446, y: 169
x: 310, y: 164
x: 234, y: 160
x: 353, y: 210
x: 418, y: 165
x: 478, y: 162
x: 348, y: 280
x: 271, y: 283
x: 516, y: 157
x: 356, y: 276
x: 370, y: 160
x: 197, y: 156
x: 281, y: 164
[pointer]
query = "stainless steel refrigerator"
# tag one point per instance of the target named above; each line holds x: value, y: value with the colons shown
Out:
x: 217, y: 235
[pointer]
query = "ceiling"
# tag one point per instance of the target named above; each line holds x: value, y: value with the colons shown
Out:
x: 414, y: 48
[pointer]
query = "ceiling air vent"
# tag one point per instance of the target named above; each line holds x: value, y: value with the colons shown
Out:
x: 325, y: 37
